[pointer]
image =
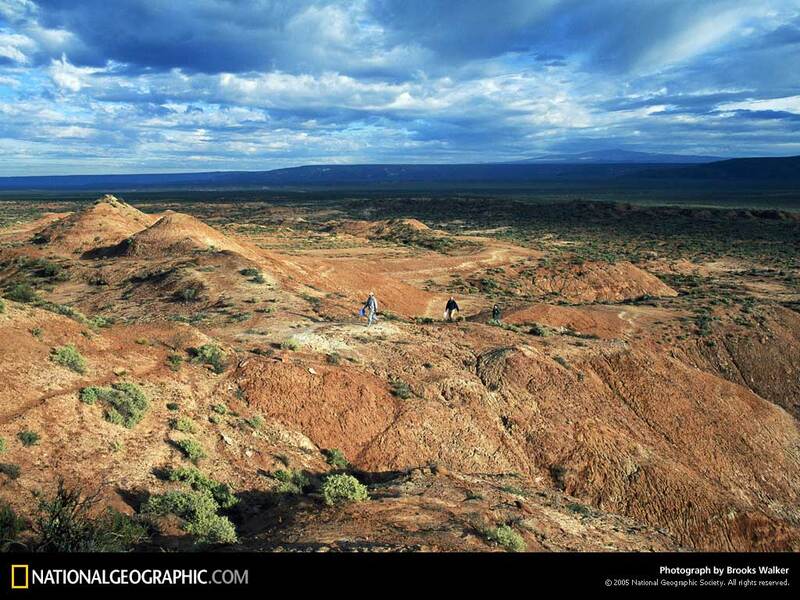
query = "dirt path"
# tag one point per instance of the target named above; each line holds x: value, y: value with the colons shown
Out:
x: 73, y: 389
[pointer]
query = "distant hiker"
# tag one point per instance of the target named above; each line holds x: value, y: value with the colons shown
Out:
x: 370, y: 309
x: 496, y: 313
x: 449, y: 308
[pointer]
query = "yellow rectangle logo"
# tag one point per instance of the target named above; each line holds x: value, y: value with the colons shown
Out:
x: 19, y: 577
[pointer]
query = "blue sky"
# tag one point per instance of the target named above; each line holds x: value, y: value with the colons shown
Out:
x: 125, y: 86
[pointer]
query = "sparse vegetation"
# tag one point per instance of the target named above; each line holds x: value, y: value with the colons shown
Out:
x: 198, y: 510
x: 335, y: 458
x: 21, y: 292
x: 174, y: 361
x: 211, y: 354
x: 507, y: 537
x: 400, y: 389
x: 341, y: 488
x: 10, y: 526
x: 28, y: 438
x: 221, y: 492
x: 10, y: 470
x: 63, y: 523
x: 290, y: 344
x: 68, y: 356
x: 125, y: 403
x: 291, y: 481
x: 183, y: 424
x: 192, y: 449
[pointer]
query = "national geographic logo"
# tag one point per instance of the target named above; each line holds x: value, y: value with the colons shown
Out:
x: 23, y: 577
x: 20, y: 577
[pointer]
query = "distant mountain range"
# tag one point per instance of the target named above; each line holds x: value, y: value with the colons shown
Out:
x: 617, y: 165
x: 617, y: 156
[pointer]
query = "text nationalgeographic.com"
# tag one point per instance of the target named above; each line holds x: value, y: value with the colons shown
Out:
x: 23, y: 578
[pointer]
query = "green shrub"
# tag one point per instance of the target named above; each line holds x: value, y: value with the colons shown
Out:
x: 290, y: 344
x: 10, y: 470
x: 2, y: 306
x: 221, y: 492
x: 191, y: 449
x: 21, y: 292
x: 10, y: 526
x: 249, y: 272
x: 63, y: 523
x: 211, y: 354
x: 125, y: 403
x: 173, y: 406
x: 401, y: 389
x: 256, y: 422
x: 198, y: 509
x: 2, y: 444
x: 343, y: 488
x: 68, y: 356
x: 37, y: 332
x: 28, y: 437
x: 336, y: 458
x: 174, y: 361
x: 220, y: 409
x: 291, y: 481
x: 506, y: 537
x: 184, y: 424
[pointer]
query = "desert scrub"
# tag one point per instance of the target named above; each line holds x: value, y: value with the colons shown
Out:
x: 198, y: 510
x: 2, y: 306
x: 192, y: 449
x: 63, y: 522
x: 400, y: 389
x: 68, y: 356
x: 184, y: 424
x: 21, y: 292
x: 10, y: 526
x: 28, y: 437
x: 2, y: 444
x: 174, y: 361
x: 221, y: 492
x: 505, y: 536
x: 220, y: 409
x: 291, y: 481
x: 256, y: 422
x: 211, y: 354
x: 125, y: 403
x: 337, y: 489
x: 335, y: 458
x: 290, y: 344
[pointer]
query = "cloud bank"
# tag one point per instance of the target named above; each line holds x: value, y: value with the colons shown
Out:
x: 146, y: 85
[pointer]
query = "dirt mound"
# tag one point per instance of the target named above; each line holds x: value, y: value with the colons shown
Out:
x: 177, y: 233
x: 107, y: 222
x: 599, y: 282
x: 603, y: 322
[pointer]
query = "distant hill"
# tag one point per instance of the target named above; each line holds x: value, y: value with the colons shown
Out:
x: 785, y: 168
x: 617, y: 156
x: 387, y: 175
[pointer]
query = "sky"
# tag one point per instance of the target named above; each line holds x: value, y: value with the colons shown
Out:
x: 148, y: 86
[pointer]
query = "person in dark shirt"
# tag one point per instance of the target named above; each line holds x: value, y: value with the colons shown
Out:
x: 496, y: 313
x: 450, y: 307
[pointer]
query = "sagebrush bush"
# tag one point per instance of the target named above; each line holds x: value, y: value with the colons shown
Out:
x: 125, y: 403
x: 221, y: 492
x: 28, y: 437
x: 198, y: 509
x: 211, y: 354
x: 336, y: 458
x: 192, y: 449
x: 184, y: 424
x: 291, y: 481
x: 337, y: 489
x: 63, y: 522
x: 68, y: 356
x: 506, y: 537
